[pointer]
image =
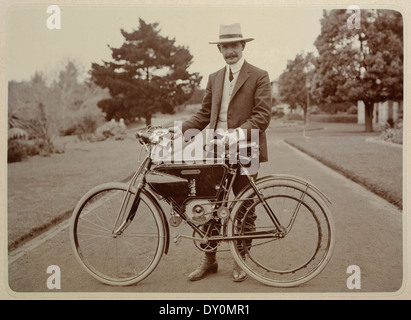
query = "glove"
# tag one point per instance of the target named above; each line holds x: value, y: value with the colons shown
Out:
x: 230, y: 138
x: 233, y: 137
x: 175, y: 131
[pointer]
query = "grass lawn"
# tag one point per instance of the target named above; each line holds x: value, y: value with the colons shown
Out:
x: 343, y: 147
x: 44, y: 190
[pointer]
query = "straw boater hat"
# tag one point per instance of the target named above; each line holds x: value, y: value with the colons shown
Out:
x: 231, y: 33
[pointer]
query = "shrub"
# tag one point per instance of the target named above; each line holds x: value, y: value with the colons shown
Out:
x: 86, y: 126
x: 392, y: 135
x: 16, y: 151
x: 112, y: 129
x: 295, y: 116
x: 340, y: 118
x: 335, y: 107
x: 33, y: 147
x: 390, y: 123
x: 19, y: 149
x: 277, y: 113
x: 83, y: 123
x: 393, y: 132
x: 69, y: 127
x: 352, y: 110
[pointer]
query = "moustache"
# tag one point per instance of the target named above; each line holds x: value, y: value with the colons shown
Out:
x: 233, y: 55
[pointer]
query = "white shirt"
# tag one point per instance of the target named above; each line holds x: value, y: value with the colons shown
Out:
x: 227, y: 92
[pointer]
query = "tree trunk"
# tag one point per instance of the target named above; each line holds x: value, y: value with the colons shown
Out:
x: 369, y: 111
x: 148, y: 120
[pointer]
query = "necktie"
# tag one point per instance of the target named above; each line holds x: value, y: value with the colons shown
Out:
x: 231, y: 77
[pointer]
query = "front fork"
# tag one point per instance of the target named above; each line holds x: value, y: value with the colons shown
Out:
x: 125, y: 214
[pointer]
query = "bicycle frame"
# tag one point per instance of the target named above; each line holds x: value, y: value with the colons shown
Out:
x: 198, y: 194
x: 139, y: 181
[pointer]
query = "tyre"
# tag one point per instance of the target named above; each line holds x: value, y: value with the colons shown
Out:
x: 309, y: 234
x: 117, y: 258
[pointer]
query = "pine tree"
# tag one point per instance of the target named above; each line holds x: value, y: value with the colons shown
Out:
x: 148, y: 74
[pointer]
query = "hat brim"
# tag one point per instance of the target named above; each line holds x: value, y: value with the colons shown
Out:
x: 229, y: 40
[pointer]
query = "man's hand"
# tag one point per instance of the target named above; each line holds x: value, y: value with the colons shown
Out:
x: 233, y: 137
x: 175, y: 131
x: 230, y: 138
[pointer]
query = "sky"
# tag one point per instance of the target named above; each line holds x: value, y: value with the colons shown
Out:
x: 280, y: 33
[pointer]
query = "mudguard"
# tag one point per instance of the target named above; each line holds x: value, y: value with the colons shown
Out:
x: 150, y: 194
x: 299, y: 180
x: 283, y: 177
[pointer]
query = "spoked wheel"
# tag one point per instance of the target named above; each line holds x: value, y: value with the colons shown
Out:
x: 291, y: 258
x: 110, y: 256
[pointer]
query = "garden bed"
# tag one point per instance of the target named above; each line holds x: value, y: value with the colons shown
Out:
x: 338, y: 118
x: 377, y: 167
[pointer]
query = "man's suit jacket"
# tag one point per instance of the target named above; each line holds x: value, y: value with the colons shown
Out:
x: 249, y: 107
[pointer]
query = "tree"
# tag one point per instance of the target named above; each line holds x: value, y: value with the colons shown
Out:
x: 68, y: 89
x: 148, y: 75
x: 293, y: 82
x: 77, y: 110
x: 45, y: 110
x: 31, y: 109
x: 196, y: 97
x: 360, y: 64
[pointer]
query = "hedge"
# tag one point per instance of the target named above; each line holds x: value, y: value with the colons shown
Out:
x: 341, y: 118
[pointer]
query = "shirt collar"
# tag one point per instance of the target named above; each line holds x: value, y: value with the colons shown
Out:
x: 236, y: 66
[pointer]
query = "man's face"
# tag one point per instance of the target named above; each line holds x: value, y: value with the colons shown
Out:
x: 232, y: 52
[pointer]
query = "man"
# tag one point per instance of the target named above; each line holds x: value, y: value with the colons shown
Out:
x: 237, y: 100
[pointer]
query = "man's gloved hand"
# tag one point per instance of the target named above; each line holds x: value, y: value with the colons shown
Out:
x: 175, y: 131
x: 230, y: 138
x: 233, y: 137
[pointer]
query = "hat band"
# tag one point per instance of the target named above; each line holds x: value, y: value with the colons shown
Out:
x: 227, y: 36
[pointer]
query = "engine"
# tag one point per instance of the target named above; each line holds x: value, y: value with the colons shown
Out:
x: 199, y: 211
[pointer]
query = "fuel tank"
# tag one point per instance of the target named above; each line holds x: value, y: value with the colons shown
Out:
x: 182, y: 182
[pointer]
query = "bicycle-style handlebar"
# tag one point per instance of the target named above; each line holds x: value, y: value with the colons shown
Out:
x: 162, y: 137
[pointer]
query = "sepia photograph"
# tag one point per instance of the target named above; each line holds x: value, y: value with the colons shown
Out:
x: 204, y: 150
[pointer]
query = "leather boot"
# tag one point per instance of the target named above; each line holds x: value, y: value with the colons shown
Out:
x: 208, y: 265
x: 239, y: 274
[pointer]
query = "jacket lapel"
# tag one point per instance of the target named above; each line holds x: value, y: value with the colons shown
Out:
x: 218, y: 95
x: 242, y: 77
